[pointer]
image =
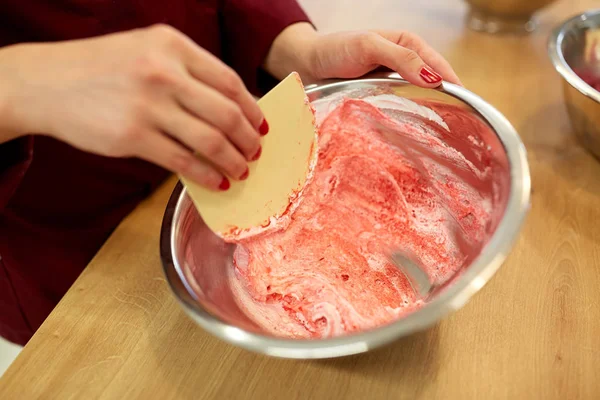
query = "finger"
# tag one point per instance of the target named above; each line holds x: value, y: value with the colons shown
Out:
x: 205, y: 140
x: 208, y: 69
x: 434, y: 59
x: 430, y: 56
x: 406, y: 62
x: 220, y: 112
x: 165, y: 152
x: 439, y: 64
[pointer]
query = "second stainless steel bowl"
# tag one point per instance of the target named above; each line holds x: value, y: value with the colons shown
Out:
x: 566, y: 49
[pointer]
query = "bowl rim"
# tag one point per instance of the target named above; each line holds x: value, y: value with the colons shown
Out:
x: 557, y: 57
x: 452, y: 298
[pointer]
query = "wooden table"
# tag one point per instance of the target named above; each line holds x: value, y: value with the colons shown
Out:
x: 533, y: 332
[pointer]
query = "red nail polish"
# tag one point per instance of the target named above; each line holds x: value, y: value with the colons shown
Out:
x: 264, y: 128
x: 245, y: 175
x: 257, y: 155
x: 430, y: 76
x: 224, y: 184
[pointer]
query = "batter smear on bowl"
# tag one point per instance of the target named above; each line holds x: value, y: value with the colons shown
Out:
x: 324, y: 270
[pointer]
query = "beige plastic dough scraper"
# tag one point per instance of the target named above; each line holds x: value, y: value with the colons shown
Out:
x: 287, y: 153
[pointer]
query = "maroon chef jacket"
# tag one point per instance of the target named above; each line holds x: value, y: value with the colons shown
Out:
x: 58, y: 204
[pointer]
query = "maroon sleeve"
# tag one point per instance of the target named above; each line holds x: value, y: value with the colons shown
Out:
x: 248, y: 28
x: 15, y: 157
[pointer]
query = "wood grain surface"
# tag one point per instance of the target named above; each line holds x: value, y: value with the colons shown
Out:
x: 532, y: 333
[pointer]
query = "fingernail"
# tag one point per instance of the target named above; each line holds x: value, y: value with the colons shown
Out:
x: 245, y: 175
x: 264, y: 128
x: 429, y: 75
x: 224, y: 184
x: 257, y: 155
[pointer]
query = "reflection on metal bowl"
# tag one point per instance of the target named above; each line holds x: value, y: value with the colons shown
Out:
x: 197, y: 262
x: 566, y: 49
x: 504, y: 16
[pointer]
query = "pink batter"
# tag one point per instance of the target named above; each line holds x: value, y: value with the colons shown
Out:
x: 324, y: 270
x: 590, y: 77
x: 591, y: 73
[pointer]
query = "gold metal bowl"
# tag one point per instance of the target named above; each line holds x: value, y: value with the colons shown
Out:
x: 504, y: 16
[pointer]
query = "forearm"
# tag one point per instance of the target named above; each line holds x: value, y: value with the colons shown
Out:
x: 292, y: 50
x: 8, y: 135
x: 10, y: 126
x: 16, y: 148
x: 9, y: 130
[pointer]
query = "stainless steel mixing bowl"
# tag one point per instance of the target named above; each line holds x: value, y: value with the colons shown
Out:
x: 197, y: 262
x: 566, y: 49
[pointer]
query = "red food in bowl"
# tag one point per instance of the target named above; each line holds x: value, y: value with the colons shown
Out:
x: 590, y: 77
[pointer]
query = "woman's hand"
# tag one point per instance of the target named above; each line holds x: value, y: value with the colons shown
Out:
x: 353, y: 54
x: 149, y: 93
